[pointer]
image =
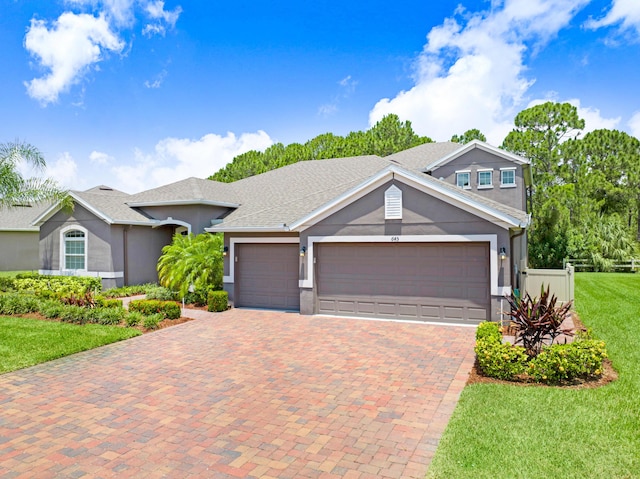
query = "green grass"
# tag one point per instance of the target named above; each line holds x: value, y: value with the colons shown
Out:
x: 503, y: 431
x: 25, y: 342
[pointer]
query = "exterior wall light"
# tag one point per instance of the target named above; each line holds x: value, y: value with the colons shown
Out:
x: 225, y: 250
x: 303, y: 251
x: 503, y: 253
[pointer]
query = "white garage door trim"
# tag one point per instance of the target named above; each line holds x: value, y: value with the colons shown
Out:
x: 232, y: 250
x: 491, y: 239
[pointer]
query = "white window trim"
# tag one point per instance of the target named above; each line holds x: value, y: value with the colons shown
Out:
x: 393, y: 203
x: 508, y: 185
x: 63, y: 232
x: 468, y: 172
x: 492, y: 239
x: 262, y: 240
x: 485, y: 170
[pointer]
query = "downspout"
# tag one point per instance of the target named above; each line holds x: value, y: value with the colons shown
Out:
x: 514, y: 267
x: 125, y: 252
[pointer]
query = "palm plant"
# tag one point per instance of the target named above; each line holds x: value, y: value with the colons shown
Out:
x: 17, y: 190
x: 191, y: 261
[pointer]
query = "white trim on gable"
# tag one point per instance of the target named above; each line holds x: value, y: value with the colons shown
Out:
x: 248, y: 239
x: 426, y: 185
x: 481, y: 145
x: 492, y: 239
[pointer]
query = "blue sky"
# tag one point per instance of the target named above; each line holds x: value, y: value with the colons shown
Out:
x: 139, y: 93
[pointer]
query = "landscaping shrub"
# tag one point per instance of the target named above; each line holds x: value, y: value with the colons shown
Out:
x: 85, y: 300
x: 51, y: 309
x: 168, y: 309
x: 498, y: 360
x: 16, y: 303
x: 489, y: 330
x: 108, y: 316
x: 64, y: 285
x: 537, y: 320
x: 6, y: 283
x: 217, y: 301
x: 109, y: 303
x: 74, y: 314
x: 133, y: 318
x: 161, y: 293
x: 152, y: 321
x: 582, y: 358
x: 126, y: 291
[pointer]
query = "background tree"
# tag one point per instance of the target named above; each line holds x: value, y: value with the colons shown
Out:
x: 386, y: 137
x: 17, y: 190
x: 467, y: 136
x: 192, y: 260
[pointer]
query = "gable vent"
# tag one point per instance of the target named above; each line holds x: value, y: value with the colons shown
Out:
x: 393, y: 203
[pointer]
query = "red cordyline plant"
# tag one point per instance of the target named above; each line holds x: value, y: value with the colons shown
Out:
x: 537, y: 320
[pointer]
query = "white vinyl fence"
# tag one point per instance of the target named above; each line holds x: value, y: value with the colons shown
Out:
x: 560, y: 282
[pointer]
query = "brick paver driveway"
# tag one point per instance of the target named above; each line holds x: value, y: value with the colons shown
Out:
x: 242, y: 394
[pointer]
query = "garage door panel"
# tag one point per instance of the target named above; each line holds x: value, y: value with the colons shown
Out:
x: 420, y: 281
x: 267, y: 276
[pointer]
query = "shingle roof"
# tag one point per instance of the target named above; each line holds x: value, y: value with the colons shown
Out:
x: 112, y: 206
x: 420, y: 156
x: 194, y: 190
x: 21, y: 217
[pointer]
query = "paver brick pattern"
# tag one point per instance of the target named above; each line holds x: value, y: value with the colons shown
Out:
x: 252, y: 394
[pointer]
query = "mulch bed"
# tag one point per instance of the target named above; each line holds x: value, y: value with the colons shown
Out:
x: 609, y: 373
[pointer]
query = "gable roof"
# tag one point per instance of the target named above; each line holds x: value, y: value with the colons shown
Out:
x: 294, y: 197
x: 472, y: 145
x: 418, y: 157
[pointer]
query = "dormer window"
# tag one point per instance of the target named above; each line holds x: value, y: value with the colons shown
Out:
x: 393, y: 203
x: 485, y: 179
x: 463, y: 179
x: 507, y: 177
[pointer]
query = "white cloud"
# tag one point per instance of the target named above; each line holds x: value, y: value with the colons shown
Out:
x: 157, y: 82
x: 99, y: 158
x: 65, y: 171
x: 625, y: 13
x: 178, y: 158
x: 347, y: 87
x: 472, y: 72
x: 634, y: 125
x: 118, y: 12
x: 155, y: 10
x: 68, y: 49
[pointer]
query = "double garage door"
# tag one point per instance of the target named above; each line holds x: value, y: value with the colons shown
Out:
x: 417, y: 281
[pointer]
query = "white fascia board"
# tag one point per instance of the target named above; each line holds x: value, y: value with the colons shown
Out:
x: 480, y: 145
x: 46, y: 214
x: 248, y: 229
x: 142, y: 204
x: 252, y: 239
x: 21, y: 230
x: 152, y: 223
x: 57, y: 207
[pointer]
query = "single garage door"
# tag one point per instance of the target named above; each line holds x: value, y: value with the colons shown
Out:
x: 418, y: 281
x: 267, y: 276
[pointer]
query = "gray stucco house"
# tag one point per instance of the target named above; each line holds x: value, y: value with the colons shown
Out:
x: 434, y: 233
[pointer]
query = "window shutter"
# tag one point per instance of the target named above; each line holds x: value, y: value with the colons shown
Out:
x: 393, y: 203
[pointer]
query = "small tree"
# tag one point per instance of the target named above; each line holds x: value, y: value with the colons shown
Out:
x: 192, y: 260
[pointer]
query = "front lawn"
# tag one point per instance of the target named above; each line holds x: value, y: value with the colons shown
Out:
x: 504, y: 431
x: 25, y: 342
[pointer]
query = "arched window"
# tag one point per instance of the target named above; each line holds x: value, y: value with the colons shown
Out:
x: 75, y: 250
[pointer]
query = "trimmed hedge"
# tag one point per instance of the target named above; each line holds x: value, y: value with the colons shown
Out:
x: 217, y: 301
x: 168, y: 309
x: 581, y: 359
x: 62, y: 285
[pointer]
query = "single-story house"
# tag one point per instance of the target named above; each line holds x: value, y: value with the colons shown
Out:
x: 433, y: 233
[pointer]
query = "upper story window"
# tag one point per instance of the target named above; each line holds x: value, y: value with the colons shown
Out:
x: 507, y: 177
x: 74, y: 249
x: 393, y: 203
x: 463, y: 179
x: 485, y: 178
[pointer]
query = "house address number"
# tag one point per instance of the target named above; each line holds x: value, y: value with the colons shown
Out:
x: 395, y: 239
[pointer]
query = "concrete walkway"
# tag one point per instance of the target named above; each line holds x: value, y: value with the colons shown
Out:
x: 243, y: 393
